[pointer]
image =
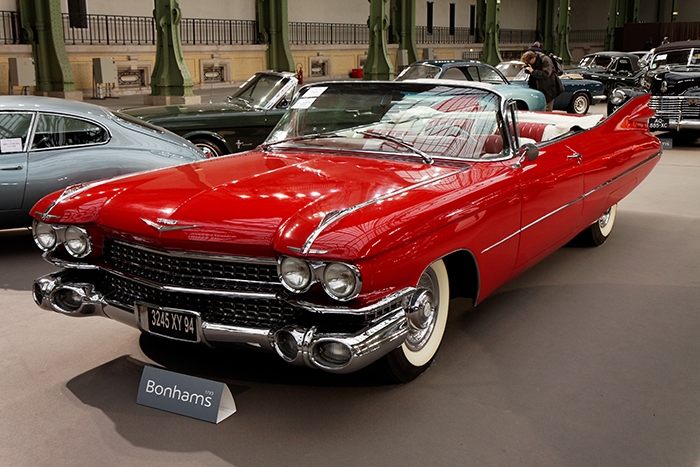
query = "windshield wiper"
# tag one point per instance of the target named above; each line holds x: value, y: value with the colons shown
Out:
x: 426, y: 157
x: 265, y: 146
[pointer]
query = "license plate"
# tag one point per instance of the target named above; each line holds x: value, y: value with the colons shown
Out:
x: 657, y: 123
x: 167, y: 322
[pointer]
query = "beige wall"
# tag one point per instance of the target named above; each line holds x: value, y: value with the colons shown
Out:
x: 219, y: 9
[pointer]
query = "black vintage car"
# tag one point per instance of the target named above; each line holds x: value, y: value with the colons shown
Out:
x: 674, y: 80
x: 238, y: 125
x: 613, y: 69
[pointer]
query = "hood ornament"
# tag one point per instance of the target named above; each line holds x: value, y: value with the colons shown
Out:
x: 166, y: 225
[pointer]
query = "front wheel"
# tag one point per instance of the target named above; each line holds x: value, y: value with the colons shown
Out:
x: 208, y: 147
x: 579, y: 104
x: 599, y: 231
x: 426, y: 326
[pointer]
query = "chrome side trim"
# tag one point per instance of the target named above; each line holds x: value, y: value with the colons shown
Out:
x: 574, y: 201
x: 333, y: 216
x: 395, y: 297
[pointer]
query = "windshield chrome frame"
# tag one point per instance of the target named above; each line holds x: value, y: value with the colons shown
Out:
x: 501, y: 122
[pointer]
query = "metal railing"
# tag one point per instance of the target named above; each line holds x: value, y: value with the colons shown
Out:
x: 328, y: 33
x: 596, y: 35
x: 196, y: 31
x: 141, y: 30
x: 9, y: 27
x: 441, y: 35
x: 517, y: 36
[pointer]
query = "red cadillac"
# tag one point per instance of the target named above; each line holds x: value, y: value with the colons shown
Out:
x: 340, y: 241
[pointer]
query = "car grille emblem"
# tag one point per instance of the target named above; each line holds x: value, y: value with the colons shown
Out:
x: 166, y: 225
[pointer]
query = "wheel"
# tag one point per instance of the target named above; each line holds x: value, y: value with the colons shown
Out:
x: 599, y: 231
x: 208, y: 147
x: 579, y: 104
x: 426, y: 326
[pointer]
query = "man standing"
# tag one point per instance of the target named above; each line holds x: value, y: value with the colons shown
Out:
x: 542, y: 76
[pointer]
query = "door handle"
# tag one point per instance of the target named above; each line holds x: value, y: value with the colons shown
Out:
x: 574, y: 155
x: 19, y: 167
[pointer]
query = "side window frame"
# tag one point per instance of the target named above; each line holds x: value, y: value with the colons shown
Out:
x: 30, y: 129
x: 107, y: 132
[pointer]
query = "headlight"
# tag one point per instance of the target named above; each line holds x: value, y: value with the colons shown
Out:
x: 617, y: 97
x: 77, y: 242
x: 295, y: 274
x: 341, y: 281
x: 44, y: 235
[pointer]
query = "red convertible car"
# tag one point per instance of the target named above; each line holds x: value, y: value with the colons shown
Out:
x: 339, y: 242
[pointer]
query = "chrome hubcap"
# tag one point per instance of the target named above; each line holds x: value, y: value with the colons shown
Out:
x: 604, y: 219
x: 423, y: 312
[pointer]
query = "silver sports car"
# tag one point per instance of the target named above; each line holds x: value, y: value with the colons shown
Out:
x: 47, y: 144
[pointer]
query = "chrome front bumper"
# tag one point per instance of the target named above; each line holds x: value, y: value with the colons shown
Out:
x: 61, y: 292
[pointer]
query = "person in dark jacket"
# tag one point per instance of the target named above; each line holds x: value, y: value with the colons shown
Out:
x: 542, y: 76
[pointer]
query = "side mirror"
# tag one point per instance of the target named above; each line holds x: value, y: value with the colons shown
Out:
x: 527, y: 151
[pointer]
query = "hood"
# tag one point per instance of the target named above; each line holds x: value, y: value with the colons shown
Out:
x: 677, y: 79
x: 156, y: 112
x: 266, y: 200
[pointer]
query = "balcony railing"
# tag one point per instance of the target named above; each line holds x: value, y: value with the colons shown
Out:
x: 441, y: 35
x: 9, y: 27
x: 328, y: 33
x: 141, y: 30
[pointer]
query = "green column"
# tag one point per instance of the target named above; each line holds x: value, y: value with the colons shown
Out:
x: 490, y: 54
x: 171, y: 82
x: 480, y: 21
x: 378, y: 66
x: 661, y: 12
x: 612, y: 22
x: 273, y: 30
x: 674, y: 11
x: 548, y: 26
x: 563, y: 30
x: 403, y: 27
x: 42, y: 27
x: 633, y: 11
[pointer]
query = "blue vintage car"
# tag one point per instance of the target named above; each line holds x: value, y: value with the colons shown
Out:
x: 527, y: 99
x: 579, y: 93
x: 47, y: 144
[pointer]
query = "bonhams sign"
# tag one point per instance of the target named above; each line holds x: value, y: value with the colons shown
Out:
x: 185, y: 395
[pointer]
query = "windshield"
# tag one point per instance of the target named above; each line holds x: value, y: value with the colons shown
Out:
x: 417, y: 119
x: 595, y: 61
x: 257, y: 91
x: 676, y: 57
x: 419, y: 72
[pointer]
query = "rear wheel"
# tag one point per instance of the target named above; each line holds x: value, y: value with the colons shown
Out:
x: 426, y: 326
x: 600, y: 230
x: 208, y: 147
x: 579, y: 104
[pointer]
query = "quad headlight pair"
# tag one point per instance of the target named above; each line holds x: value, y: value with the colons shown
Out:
x: 340, y: 281
x: 75, y: 239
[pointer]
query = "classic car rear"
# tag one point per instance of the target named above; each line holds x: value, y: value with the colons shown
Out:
x: 340, y: 241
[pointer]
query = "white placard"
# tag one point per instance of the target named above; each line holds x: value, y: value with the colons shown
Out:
x: 11, y: 145
x: 303, y: 103
x: 315, y: 92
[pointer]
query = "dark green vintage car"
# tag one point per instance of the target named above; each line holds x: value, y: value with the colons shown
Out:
x: 613, y: 69
x: 238, y: 125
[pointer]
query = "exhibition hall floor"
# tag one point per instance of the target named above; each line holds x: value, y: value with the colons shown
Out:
x: 590, y: 358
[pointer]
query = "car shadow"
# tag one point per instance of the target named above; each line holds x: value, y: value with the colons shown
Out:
x: 21, y: 259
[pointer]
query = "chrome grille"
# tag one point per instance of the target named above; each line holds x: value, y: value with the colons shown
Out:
x: 674, y: 106
x: 199, y: 272
x: 234, y: 311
